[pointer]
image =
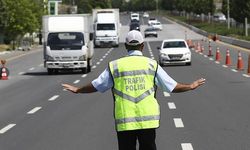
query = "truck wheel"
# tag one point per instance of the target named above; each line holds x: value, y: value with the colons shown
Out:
x: 84, y: 70
x: 50, y: 71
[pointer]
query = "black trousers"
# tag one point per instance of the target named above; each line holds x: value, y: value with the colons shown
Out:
x: 146, y: 138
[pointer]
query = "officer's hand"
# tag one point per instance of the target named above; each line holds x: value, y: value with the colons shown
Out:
x: 197, y: 83
x: 70, y: 88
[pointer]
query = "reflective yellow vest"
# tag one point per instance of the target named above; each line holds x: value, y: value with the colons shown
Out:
x: 134, y: 93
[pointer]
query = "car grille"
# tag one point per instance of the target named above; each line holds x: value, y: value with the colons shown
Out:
x: 175, y: 56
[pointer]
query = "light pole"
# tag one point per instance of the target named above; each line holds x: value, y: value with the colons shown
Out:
x: 228, y: 15
x: 157, y: 8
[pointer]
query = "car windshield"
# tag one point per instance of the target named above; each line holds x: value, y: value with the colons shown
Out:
x: 150, y: 29
x: 65, y: 41
x: 174, y: 44
x: 106, y: 26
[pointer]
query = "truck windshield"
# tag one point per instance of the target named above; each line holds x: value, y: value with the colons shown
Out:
x: 65, y: 41
x: 106, y: 26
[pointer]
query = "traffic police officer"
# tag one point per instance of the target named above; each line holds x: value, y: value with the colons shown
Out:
x: 133, y: 80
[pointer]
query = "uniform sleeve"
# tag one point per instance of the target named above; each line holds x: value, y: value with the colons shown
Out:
x: 104, y: 82
x: 164, y: 81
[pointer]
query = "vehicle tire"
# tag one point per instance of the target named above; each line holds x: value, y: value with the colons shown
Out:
x: 50, y: 71
x: 160, y: 63
x: 156, y: 36
x: 189, y: 64
x: 84, y: 70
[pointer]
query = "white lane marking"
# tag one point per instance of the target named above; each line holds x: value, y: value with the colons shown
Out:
x: 225, y: 66
x: 34, y: 110
x: 21, y: 73
x: 187, y: 146
x: 246, y: 75
x: 166, y: 94
x: 205, y: 56
x: 98, y: 63
x: 94, y: 67
x: 171, y: 105
x: 234, y: 70
x: 211, y: 59
x: 83, y: 76
x: 31, y: 68
x: 152, y: 58
x: 53, y: 98
x: 76, y: 81
x: 101, y: 59
x: 5, y: 129
x: 217, y: 62
x: 178, y: 123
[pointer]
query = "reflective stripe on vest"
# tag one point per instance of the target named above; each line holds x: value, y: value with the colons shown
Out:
x: 134, y: 91
x: 137, y: 119
x: 133, y: 99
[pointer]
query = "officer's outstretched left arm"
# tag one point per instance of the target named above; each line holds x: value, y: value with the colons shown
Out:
x: 180, y: 87
x: 89, y: 88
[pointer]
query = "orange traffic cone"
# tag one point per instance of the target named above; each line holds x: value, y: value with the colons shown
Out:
x: 228, y: 59
x: 217, y: 57
x: 4, y: 75
x: 240, y: 62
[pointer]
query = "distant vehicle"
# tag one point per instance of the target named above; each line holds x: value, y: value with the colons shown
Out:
x: 135, y: 16
x: 157, y: 25
x: 134, y: 20
x: 220, y: 17
x: 68, y: 42
x: 145, y: 15
x: 174, y: 51
x: 106, y: 27
x: 151, y: 20
x: 134, y: 26
x: 150, y: 32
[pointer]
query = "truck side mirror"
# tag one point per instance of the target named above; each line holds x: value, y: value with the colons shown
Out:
x: 91, y: 36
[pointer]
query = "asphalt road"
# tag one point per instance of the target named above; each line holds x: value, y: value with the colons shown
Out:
x: 37, y: 114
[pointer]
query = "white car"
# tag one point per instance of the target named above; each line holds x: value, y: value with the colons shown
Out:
x: 151, y: 20
x: 145, y: 15
x: 156, y: 25
x: 174, y: 51
x: 135, y: 16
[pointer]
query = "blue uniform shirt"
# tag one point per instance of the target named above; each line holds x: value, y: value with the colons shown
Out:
x: 104, y: 82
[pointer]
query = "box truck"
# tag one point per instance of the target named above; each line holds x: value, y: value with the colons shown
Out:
x: 106, y: 27
x: 68, y: 42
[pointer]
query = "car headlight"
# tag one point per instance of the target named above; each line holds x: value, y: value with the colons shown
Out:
x: 82, y: 58
x: 49, y: 58
x: 187, y: 53
x: 164, y: 55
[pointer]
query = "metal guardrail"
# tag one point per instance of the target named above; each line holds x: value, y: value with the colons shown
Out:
x: 230, y: 40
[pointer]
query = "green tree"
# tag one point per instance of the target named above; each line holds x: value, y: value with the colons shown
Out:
x: 240, y: 9
x: 20, y: 18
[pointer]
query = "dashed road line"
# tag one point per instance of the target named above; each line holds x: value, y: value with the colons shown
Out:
x: 53, y: 98
x: 171, y: 105
x: 187, y: 146
x: 178, y: 123
x: 166, y: 94
x: 85, y: 75
x: 245, y: 75
x: 76, y: 81
x: 34, y: 110
x: 94, y: 66
x: 21, y: 73
x: 31, y: 68
x: 234, y: 70
x: 5, y: 129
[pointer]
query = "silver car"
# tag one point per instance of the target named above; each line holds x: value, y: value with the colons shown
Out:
x: 150, y: 32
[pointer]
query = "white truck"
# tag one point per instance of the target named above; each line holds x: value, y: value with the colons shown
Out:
x: 68, y: 42
x: 106, y: 27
